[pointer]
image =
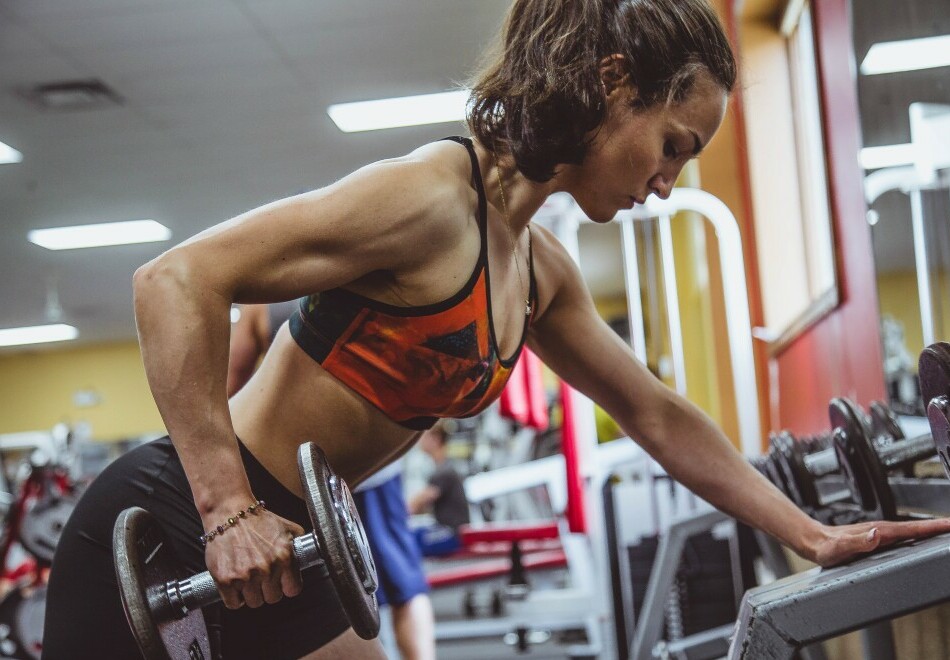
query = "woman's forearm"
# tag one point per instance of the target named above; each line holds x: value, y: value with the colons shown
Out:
x: 183, y: 330
x: 697, y: 454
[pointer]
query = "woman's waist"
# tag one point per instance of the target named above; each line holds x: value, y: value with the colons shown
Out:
x: 289, y: 402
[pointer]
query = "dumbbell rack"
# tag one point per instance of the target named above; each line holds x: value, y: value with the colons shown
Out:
x: 778, y: 619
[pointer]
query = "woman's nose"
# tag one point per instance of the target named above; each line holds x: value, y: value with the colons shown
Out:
x: 661, y: 186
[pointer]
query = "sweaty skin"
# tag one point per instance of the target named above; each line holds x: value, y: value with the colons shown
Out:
x: 404, y: 231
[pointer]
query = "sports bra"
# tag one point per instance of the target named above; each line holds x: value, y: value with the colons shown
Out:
x: 419, y: 363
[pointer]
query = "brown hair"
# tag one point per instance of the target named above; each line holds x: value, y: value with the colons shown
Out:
x: 541, y: 96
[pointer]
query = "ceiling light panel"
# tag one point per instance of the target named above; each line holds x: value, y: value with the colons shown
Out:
x: 99, y: 235
x: 399, y: 112
x: 907, y: 55
x: 9, y: 155
x: 37, y: 334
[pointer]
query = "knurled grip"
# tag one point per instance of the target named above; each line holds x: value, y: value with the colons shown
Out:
x: 907, y: 452
x: 897, y: 455
x: 201, y: 590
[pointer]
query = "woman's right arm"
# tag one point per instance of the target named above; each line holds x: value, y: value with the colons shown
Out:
x: 382, y: 217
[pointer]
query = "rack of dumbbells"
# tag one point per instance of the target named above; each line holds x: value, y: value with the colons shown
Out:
x: 862, y: 471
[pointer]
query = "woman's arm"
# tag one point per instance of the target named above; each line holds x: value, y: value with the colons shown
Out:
x: 572, y: 339
x: 287, y: 249
x: 250, y: 339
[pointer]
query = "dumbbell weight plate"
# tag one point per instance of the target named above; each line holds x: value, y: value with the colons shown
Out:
x: 340, y: 534
x: 144, y: 562
x: 800, y: 483
x: 933, y: 369
x: 938, y: 413
x: 43, y: 525
x: 884, y: 422
x: 859, y: 464
x: 22, y: 612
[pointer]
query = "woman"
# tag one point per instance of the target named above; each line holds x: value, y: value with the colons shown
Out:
x: 423, y: 280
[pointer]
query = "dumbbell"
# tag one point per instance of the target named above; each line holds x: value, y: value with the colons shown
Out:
x: 933, y: 369
x: 801, y: 462
x: 865, y: 466
x: 162, y: 605
x: 863, y: 459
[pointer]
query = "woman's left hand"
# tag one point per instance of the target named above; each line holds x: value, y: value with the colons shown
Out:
x: 838, y: 545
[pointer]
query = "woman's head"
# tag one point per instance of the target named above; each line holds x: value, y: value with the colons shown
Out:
x: 547, y: 95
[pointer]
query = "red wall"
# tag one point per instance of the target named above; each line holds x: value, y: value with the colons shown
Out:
x: 841, y: 354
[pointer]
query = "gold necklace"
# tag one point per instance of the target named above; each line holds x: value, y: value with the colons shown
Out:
x: 511, y: 240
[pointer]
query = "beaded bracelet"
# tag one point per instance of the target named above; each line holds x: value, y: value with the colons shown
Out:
x: 231, y: 522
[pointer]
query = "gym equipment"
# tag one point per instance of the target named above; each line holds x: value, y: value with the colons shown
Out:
x: 934, y: 373
x: 162, y: 605
x: 21, y: 622
x: 865, y: 466
x: 42, y: 524
x: 933, y: 369
x: 44, y: 501
x: 863, y: 460
x: 777, y: 619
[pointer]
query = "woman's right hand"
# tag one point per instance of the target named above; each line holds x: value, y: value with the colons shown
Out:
x: 252, y: 562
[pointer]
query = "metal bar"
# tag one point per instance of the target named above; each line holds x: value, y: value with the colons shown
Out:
x: 779, y: 618
x: 631, y: 279
x: 705, y: 645
x: 878, y: 642
x: 672, y: 304
x: 668, y: 554
x: 923, y: 270
x: 735, y: 293
x: 931, y: 495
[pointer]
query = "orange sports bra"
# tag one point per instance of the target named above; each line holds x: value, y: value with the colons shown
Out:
x: 416, y: 364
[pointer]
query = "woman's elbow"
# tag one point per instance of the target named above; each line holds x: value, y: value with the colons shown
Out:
x: 154, y: 280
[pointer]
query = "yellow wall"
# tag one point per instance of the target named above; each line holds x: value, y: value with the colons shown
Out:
x: 37, y: 388
x: 898, y: 297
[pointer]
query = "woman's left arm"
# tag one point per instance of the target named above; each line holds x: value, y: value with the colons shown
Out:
x: 570, y: 337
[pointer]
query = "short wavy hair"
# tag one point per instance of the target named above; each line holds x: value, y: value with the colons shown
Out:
x: 539, y: 95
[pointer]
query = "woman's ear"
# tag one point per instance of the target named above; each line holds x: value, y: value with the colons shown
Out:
x: 613, y: 75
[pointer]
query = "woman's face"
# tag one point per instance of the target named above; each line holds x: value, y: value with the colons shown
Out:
x: 638, y: 152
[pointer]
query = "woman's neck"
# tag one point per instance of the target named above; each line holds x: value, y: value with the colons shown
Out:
x: 513, y: 195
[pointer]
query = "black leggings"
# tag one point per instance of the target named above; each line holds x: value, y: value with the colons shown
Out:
x: 84, y: 617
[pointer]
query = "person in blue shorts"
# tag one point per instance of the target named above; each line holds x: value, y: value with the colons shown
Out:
x: 402, y: 581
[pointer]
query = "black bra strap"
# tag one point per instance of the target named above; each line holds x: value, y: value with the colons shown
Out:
x: 479, y: 188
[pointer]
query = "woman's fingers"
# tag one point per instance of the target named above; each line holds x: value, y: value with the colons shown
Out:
x: 254, y: 563
x: 231, y: 595
x: 290, y: 582
x: 893, y: 532
x: 849, y: 541
x: 253, y: 592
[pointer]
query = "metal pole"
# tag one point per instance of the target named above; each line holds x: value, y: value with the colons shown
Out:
x: 923, y: 272
x: 631, y: 278
x: 672, y: 304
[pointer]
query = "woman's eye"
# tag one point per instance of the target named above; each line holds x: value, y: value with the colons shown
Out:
x: 668, y: 149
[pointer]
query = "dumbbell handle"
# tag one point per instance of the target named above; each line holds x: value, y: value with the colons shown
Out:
x: 201, y: 590
x: 894, y: 456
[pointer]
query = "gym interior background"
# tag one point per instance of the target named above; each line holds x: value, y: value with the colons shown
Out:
x: 190, y: 113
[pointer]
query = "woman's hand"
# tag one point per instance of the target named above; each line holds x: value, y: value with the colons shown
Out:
x: 253, y: 561
x: 837, y: 545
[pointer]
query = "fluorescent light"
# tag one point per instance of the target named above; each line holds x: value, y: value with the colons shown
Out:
x: 404, y: 111
x: 9, y: 155
x: 891, y: 155
x: 37, y: 334
x: 108, y: 233
x: 907, y: 55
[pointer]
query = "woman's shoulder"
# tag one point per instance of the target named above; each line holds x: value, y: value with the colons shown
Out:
x: 437, y: 181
